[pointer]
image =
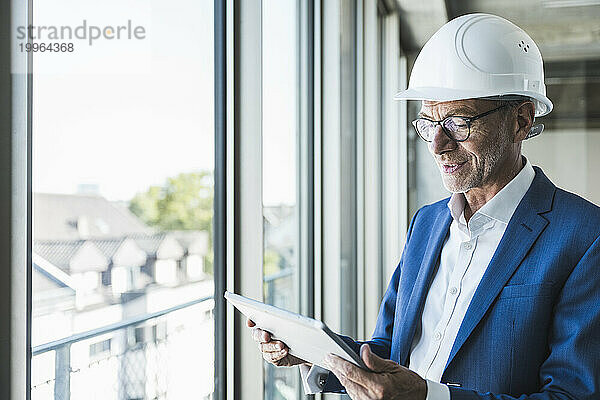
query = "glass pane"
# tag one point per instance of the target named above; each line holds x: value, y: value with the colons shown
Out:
x: 122, y: 209
x: 568, y: 148
x: 280, y: 102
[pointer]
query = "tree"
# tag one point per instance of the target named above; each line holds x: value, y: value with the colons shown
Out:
x: 185, y: 202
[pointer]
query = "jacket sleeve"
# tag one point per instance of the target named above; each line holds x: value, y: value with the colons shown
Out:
x: 572, y: 369
x: 381, y: 341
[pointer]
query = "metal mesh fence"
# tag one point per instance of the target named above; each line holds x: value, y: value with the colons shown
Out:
x: 169, y: 357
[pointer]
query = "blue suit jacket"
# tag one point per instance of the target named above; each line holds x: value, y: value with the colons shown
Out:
x: 532, y: 330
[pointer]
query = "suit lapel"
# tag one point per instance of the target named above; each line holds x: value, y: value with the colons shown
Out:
x: 521, y: 233
x: 439, y: 231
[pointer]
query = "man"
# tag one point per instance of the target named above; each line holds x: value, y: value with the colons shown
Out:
x: 497, y: 294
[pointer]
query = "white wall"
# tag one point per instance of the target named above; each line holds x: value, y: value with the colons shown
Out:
x: 569, y: 158
x: 165, y: 272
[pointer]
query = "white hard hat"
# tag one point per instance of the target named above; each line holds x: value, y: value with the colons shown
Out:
x: 476, y: 56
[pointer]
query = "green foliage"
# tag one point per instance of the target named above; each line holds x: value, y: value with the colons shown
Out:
x: 185, y: 202
x: 271, y: 261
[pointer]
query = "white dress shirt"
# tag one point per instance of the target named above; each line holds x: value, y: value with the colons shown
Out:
x: 465, y: 256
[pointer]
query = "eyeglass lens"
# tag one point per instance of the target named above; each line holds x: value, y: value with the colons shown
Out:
x: 456, y: 127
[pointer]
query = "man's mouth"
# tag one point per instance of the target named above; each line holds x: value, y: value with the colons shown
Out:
x: 451, y: 168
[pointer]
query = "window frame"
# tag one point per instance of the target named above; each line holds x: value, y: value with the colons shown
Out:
x: 15, y: 196
x: 220, y: 216
x: 235, y: 80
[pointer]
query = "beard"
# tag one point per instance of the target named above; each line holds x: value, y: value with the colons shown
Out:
x: 477, y: 170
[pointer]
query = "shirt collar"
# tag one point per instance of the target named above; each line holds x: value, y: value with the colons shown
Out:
x: 502, y: 206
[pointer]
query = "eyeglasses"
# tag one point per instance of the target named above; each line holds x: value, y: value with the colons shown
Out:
x: 456, y: 127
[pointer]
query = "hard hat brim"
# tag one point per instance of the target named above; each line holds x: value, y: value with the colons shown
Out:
x: 543, y: 104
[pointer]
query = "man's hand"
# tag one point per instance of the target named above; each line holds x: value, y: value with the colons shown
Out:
x: 387, y: 381
x: 273, y: 351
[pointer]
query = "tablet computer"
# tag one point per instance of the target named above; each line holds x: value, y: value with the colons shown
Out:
x: 306, y: 338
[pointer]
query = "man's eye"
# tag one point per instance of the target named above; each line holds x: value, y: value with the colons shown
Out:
x: 424, y: 125
x: 455, y: 124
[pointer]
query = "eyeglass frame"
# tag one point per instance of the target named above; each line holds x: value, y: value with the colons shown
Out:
x: 468, y: 121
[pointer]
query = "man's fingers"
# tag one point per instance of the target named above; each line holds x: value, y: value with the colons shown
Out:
x: 261, y: 336
x: 359, y: 383
x: 354, y: 390
x: 348, y: 370
x: 272, y: 346
x: 275, y: 356
x: 373, y: 361
x: 266, y: 336
x: 272, y: 351
x: 257, y: 334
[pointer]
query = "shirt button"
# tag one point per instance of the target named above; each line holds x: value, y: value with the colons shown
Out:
x: 437, y: 336
x: 468, y: 246
x: 453, y: 291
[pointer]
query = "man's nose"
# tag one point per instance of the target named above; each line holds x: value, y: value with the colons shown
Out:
x: 440, y: 142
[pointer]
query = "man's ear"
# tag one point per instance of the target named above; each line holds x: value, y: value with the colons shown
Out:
x: 525, y: 118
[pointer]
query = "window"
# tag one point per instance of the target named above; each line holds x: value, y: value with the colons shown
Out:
x: 319, y: 173
x: 123, y: 158
x: 123, y: 189
x: 99, y: 348
x: 300, y: 137
x: 280, y: 135
x: 567, y: 149
x: 159, y: 331
x: 135, y: 336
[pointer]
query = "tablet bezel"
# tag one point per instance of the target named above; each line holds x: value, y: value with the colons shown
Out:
x: 271, y: 310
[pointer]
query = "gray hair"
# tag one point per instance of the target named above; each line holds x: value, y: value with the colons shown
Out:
x: 513, y: 101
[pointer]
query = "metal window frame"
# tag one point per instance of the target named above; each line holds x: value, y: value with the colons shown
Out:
x: 350, y: 120
x: 371, y: 158
x: 306, y: 161
x: 303, y: 274
x: 306, y: 156
x: 244, y: 176
x: 238, y: 192
x: 238, y: 184
x: 394, y: 145
x: 330, y: 170
x: 317, y: 184
x: 382, y: 161
x: 320, y: 152
x: 378, y: 177
x: 15, y: 197
x: 220, y: 220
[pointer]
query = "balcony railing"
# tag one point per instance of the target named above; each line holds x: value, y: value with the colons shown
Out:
x: 279, y: 289
x: 157, y: 355
x: 164, y: 354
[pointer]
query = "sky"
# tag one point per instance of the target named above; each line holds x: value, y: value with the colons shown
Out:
x: 126, y: 114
